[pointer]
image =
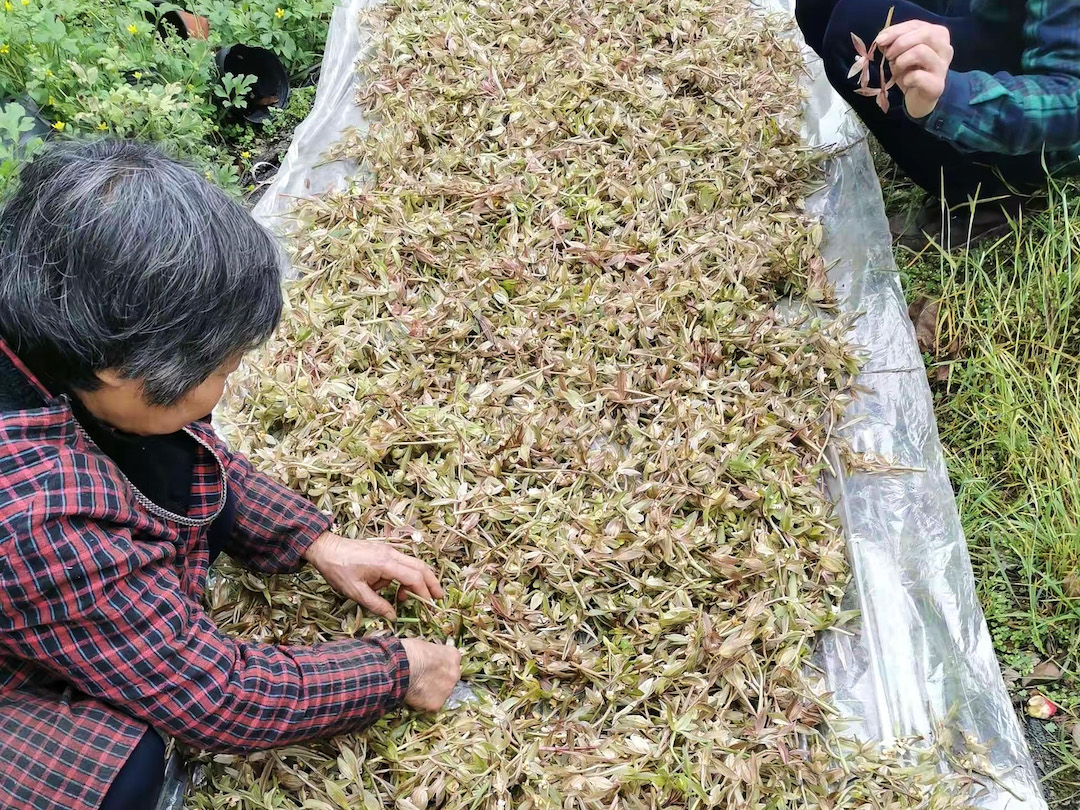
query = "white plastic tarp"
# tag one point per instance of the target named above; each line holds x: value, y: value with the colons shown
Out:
x: 921, y: 658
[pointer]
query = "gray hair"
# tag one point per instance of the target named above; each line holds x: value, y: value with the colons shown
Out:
x: 114, y: 256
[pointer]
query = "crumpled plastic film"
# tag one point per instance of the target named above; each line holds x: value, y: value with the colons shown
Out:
x: 922, y: 654
x: 305, y: 172
x: 920, y: 661
x: 174, y: 784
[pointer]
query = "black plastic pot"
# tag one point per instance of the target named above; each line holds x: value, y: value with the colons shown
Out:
x: 271, y: 87
x: 180, y: 23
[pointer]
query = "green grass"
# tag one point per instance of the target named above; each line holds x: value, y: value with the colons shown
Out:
x: 1009, y: 417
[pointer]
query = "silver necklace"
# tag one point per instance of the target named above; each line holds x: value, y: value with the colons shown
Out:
x: 149, y: 505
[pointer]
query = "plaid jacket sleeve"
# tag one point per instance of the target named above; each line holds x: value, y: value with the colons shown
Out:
x: 274, y: 525
x: 1021, y: 114
x: 108, y: 615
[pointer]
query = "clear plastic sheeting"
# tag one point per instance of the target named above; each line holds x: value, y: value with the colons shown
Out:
x: 305, y: 171
x: 920, y: 662
x: 922, y: 655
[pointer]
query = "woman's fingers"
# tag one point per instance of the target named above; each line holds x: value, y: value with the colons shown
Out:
x: 361, y: 568
x: 431, y: 582
x: 922, y: 93
x: 410, y: 578
x: 921, y: 77
x: 889, y: 35
x: 902, y: 37
x: 373, y: 602
x: 897, y: 29
x: 921, y: 57
x: 920, y: 74
x: 934, y: 37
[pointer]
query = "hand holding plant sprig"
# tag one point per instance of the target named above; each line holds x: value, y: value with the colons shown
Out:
x: 861, y: 66
x: 918, y: 55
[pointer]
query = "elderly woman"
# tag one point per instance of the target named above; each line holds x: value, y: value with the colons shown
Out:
x: 130, y: 288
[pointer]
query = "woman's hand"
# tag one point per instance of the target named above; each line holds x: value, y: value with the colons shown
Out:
x: 360, y: 568
x: 434, y: 670
x: 919, y: 55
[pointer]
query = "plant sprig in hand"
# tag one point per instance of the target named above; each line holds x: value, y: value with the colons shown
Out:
x: 865, y: 56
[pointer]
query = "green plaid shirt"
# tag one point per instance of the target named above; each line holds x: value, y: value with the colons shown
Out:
x: 1013, y: 115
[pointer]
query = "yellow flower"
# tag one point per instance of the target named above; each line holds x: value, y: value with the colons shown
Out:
x: 137, y: 75
x: 26, y: 2
x: 50, y: 101
x: 279, y: 13
x: 103, y: 126
x: 133, y: 29
x: 245, y: 155
x: 59, y: 126
x: 48, y: 73
x: 8, y: 6
x: 4, y: 48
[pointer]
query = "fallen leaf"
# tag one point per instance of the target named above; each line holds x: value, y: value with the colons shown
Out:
x: 924, y: 317
x: 1071, y: 584
x: 1046, y: 672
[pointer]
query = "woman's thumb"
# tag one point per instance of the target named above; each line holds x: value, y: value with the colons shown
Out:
x: 373, y: 602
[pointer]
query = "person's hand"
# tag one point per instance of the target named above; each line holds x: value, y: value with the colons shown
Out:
x: 919, y: 55
x: 434, y: 670
x: 360, y: 568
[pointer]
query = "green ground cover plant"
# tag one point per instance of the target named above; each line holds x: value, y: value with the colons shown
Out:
x: 88, y: 67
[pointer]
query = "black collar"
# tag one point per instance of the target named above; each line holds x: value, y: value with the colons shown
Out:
x: 17, y: 392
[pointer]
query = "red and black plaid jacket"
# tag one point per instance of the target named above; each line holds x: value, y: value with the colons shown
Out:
x: 99, y: 595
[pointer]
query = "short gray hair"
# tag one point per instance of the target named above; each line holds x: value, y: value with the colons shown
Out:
x: 115, y: 256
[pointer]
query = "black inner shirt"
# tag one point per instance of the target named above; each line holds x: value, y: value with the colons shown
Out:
x: 160, y: 467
